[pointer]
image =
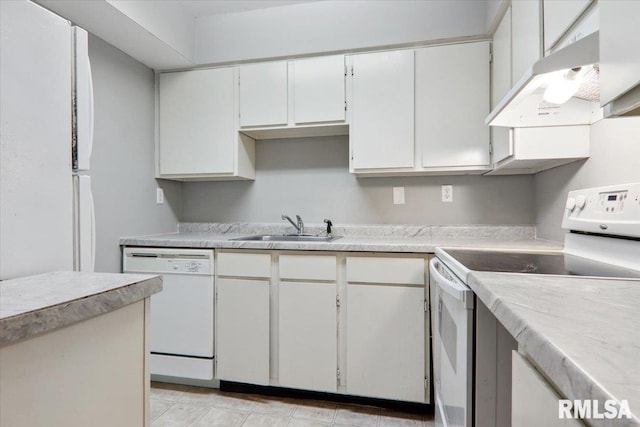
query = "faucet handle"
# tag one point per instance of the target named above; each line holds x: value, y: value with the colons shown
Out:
x: 329, y: 225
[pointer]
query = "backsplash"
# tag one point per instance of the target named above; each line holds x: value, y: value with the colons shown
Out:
x: 503, y: 232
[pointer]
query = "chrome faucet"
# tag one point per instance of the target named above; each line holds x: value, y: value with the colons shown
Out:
x: 299, y: 226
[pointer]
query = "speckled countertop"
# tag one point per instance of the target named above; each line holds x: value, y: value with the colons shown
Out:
x: 582, y: 333
x: 355, y: 238
x: 33, y: 305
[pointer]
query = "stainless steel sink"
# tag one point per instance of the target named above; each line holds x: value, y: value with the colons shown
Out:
x: 287, y: 238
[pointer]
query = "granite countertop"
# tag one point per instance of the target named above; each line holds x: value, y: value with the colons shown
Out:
x: 355, y: 238
x: 582, y: 333
x: 33, y: 305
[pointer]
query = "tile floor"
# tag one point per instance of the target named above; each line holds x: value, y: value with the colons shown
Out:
x: 182, y: 406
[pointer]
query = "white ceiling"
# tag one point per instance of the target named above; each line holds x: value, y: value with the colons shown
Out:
x: 198, y: 8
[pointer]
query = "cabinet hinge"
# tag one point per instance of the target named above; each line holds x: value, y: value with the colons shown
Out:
x: 490, y: 147
x: 337, y: 300
x: 426, y: 383
x: 345, y: 105
x: 490, y: 57
x: 345, y: 70
x: 352, y: 70
x: 338, y: 374
x: 426, y: 305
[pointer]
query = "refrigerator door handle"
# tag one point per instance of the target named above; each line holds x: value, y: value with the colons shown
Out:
x: 93, y: 232
x: 91, y: 109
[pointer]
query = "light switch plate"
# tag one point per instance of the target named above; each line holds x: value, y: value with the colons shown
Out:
x: 447, y: 193
x: 398, y: 195
x: 159, y: 196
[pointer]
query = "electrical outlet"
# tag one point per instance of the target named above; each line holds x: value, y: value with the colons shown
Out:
x: 398, y: 195
x: 159, y: 196
x: 447, y: 193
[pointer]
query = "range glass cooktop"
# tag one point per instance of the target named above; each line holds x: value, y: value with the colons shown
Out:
x: 538, y: 263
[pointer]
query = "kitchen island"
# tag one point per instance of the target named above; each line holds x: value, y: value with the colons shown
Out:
x: 73, y: 349
x: 580, y: 333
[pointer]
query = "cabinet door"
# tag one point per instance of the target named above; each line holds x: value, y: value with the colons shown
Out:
x: 559, y: 15
x: 533, y: 401
x: 242, y: 330
x: 197, y: 122
x: 307, y: 338
x: 381, y: 129
x: 319, y: 89
x: 452, y: 101
x: 619, y: 48
x: 501, y: 82
x: 386, y: 341
x: 263, y: 94
x: 526, y: 35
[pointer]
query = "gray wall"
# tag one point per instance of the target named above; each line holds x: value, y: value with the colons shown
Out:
x: 615, y: 159
x: 310, y: 177
x: 325, y: 26
x: 122, y: 163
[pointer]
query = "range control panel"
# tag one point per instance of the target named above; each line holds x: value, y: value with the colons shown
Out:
x: 611, y: 210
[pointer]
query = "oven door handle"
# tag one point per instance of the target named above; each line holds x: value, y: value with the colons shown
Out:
x: 456, y: 289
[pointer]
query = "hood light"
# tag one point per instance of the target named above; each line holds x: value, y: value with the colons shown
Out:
x: 564, y: 84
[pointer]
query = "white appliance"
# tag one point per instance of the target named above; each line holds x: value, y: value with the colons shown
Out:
x: 46, y: 132
x: 182, y: 314
x: 603, y: 241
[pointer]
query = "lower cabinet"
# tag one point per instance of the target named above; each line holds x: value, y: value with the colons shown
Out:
x: 385, y: 335
x: 534, y: 402
x: 243, y: 330
x: 307, y: 340
x: 327, y: 322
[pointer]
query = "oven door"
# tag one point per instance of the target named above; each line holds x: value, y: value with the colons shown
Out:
x: 452, y: 321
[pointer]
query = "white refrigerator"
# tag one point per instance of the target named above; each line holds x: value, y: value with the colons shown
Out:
x: 46, y: 132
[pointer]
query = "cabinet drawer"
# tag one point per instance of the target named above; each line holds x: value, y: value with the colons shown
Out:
x: 408, y: 271
x: 308, y: 267
x: 243, y: 265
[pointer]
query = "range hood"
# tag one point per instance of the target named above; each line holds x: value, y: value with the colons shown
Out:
x: 524, y: 105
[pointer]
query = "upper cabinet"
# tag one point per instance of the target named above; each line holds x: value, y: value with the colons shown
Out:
x: 619, y: 48
x: 318, y: 90
x: 501, y: 82
x: 559, y: 16
x: 526, y: 35
x: 381, y: 133
x: 198, y: 135
x: 452, y: 100
x: 263, y: 94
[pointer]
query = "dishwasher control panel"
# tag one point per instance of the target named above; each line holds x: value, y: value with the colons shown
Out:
x: 168, y: 260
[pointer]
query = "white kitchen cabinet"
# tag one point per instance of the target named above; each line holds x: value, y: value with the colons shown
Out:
x: 526, y: 35
x: 536, y: 149
x: 534, y: 401
x: 382, y: 115
x: 91, y: 373
x: 198, y: 136
x: 559, y: 16
x: 501, y: 82
x: 451, y: 105
x: 307, y: 308
x: 385, y: 336
x: 307, y: 335
x: 263, y: 94
x: 319, y: 89
x: 619, y: 48
x: 242, y: 330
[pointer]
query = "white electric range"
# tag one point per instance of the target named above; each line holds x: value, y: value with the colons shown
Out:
x: 602, y: 240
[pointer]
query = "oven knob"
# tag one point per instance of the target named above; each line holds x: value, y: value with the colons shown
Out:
x: 571, y: 204
x: 193, y: 266
x: 581, y: 201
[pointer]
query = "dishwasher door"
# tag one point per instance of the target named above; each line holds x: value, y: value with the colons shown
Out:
x: 452, y: 323
x: 182, y: 315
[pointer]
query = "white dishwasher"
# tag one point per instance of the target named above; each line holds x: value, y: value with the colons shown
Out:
x: 182, y: 314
